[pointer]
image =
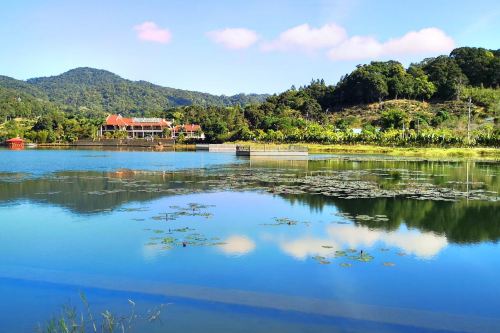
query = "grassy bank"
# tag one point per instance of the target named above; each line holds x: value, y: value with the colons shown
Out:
x: 431, y: 152
x: 427, y: 152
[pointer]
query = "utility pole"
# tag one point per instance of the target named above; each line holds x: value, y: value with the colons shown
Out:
x: 468, y: 121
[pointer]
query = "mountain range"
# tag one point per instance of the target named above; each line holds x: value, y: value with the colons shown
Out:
x: 99, y: 90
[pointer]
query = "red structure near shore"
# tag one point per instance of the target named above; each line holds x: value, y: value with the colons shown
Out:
x: 136, y: 127
x: 149, y: 128
x: 15, y: 143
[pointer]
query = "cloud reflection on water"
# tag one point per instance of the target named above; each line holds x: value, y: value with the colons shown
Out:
x: 237, y: 245
x: 424, y: 245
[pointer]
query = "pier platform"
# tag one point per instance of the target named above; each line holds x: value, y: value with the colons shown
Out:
x: 216, y: 148
x: 291, y: 150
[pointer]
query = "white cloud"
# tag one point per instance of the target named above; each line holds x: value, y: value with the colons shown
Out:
x: 341, y: 46
x: 234, y: 38
x: 151, y: 32
x: 237, y: 245
x: 428, y: 40
x: 305, y: 38
x: 425, y: 41
x: 357, y: 47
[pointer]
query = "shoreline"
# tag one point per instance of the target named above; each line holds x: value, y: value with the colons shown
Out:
x: 366, y: 149
x: 477, y: 153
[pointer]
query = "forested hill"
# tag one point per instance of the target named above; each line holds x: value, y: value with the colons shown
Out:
x: 99, y: 90
x: 426, y: 103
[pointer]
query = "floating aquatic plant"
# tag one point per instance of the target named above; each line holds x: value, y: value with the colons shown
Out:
x: 185, y: 229
x: 285, y: 221
x: 340, y: 253
x: 363, y: 217
x: 320, y: 259
x: 362, y: 257
x: 169, y: 240
x: 347, y: 254
x: 192, y: 209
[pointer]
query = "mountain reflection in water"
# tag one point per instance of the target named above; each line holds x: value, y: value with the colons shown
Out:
x: 460, y: 221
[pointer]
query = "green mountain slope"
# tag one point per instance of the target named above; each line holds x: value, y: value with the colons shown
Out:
x: 21, y: 86
x: 102, y: 91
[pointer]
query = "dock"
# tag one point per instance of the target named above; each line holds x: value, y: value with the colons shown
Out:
x: 292, y: 150
x: 216, y: 148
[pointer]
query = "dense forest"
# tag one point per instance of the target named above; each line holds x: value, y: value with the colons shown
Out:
x: 98, y: 90
x: 426, y: 103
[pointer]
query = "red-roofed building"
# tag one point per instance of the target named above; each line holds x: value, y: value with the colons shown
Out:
x: 149, y: 128
x: 136, y: 127
x: 15, y: 143
x: 190, y: 131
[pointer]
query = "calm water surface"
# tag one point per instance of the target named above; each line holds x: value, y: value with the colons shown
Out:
x: 270, y: 245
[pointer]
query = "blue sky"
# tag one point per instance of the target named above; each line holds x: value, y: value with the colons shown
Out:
x: 227, y: 47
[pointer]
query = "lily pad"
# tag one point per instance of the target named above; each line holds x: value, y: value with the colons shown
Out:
x: 169, y: 240
x: 185, y: 229
x: 340, y: 254
x: 365, y: 257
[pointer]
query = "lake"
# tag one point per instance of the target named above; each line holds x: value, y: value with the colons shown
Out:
x: 219, y: 243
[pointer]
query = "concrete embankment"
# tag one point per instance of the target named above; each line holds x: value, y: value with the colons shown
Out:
x: 108, y: 143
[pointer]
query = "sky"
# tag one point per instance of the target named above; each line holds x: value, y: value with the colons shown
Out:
x: 235, y: 46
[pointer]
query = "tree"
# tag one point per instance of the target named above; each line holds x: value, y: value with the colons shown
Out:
x: 254, y: 114
x: 365, y: 84
x: 167, y: 133
x: 398, y: 80
x: 42, y: 136
x: 311, y: 109
x: 440, y: 117
x: 445, y: 73
x: 214, y: 130
x: 422, y: 88
x: 394, y: 118
x: 476, y: 63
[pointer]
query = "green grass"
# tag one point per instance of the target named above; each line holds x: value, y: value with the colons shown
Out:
x: 72, y: 320
x: 431, y: 152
